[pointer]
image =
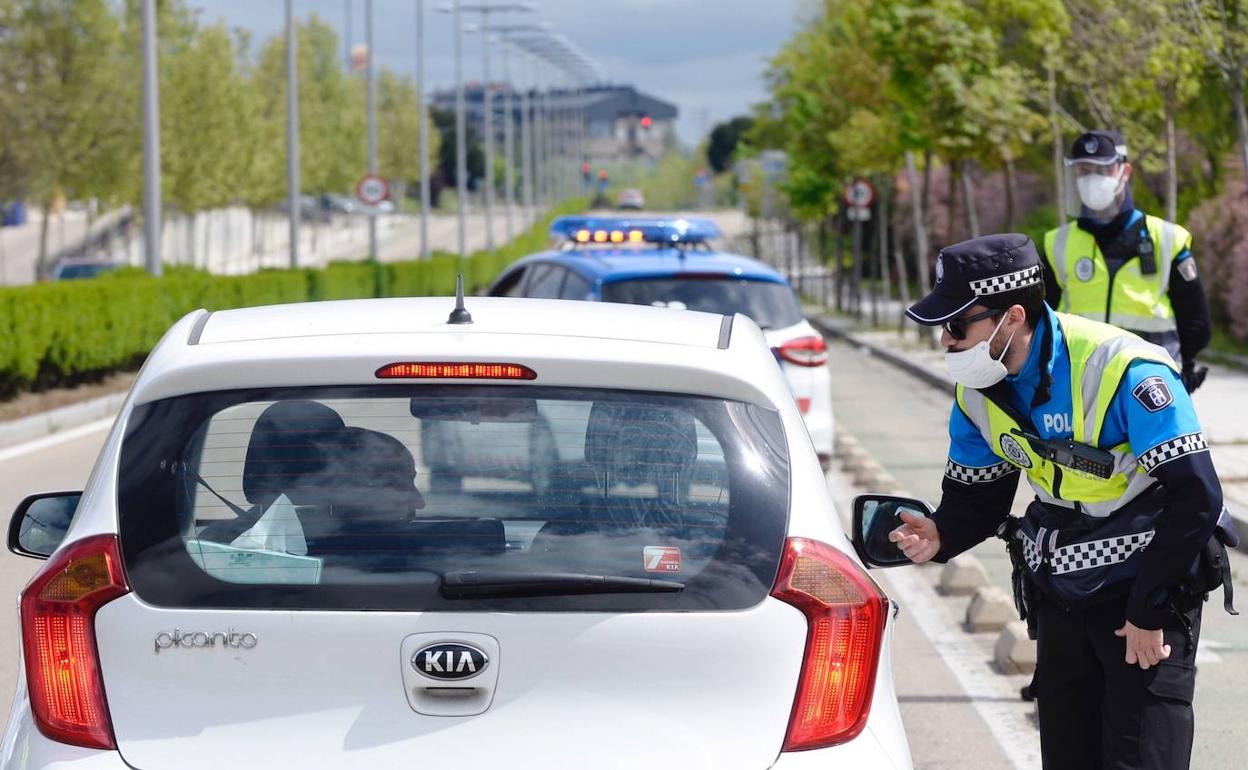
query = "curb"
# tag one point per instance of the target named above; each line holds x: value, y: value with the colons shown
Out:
x: 831, y: 328
x: 36, y: 426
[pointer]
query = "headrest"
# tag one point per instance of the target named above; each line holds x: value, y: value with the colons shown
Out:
x: 290, y: 444
x: 653, y: 437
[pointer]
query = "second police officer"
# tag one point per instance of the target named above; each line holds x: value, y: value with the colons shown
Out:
x: 1111, y: 555
x: 1116, y: 264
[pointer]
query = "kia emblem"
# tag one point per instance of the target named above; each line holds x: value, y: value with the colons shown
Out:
x: 449, y: 660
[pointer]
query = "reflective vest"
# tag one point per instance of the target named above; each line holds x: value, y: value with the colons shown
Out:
x: 1128, y: 299
x: 1099, y: 357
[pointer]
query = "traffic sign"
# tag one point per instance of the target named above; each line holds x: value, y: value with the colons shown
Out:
x: 858, y: 213
x: 372, y: 189
x: 859, y: 193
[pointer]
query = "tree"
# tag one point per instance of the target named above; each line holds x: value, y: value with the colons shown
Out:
x: 724, y: 140
x: 444, y: 121
x: 398, y: 130
x: 66, y: 116
x: 332, y: 122
x: 1221, y: 26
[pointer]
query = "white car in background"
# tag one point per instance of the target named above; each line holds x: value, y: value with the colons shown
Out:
x: 259, y: 575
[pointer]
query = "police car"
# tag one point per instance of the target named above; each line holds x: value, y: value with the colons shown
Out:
x: 668, y: 262
x: 259, y: 574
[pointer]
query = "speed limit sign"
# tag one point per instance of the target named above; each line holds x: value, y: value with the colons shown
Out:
x: 859, y: 193
x: 372, y: 189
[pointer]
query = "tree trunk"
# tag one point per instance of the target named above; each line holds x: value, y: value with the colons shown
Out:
x: 903, y: 288
x: 840, y: 262
x: 41, y: 265
x: 927, y: 180
x: 1059, y: 167
x: 824, y: 283
x: 1011, y: 182
x: 855, y: 281
x: 951, y: 233
x: 1241, y: 121
x: 1172, y: 170
x: 968, y: 196
x: 881, y: 243
x: 920, y: 229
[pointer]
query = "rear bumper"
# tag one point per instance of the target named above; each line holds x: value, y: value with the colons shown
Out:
x: 864, y: 752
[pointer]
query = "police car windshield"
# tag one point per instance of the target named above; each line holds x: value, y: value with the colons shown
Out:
x: 770, y: 305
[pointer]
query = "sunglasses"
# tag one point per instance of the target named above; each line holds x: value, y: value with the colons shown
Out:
x: 957, y: 326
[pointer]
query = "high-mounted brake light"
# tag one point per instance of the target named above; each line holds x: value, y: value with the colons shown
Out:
x: 617, y: 236
x: 58, y: 641
x: 804, y: 351
x: 455, y: 371
x: 846, y: 614
x: 582, y: 236
x: 600, y: 236
x: 636, y: 236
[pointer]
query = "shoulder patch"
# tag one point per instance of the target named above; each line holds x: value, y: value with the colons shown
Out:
x: 1014, y: 452
x: 1187, y: 269
x: 1153, y: 394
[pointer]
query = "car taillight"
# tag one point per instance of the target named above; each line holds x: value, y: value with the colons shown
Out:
x: 804, y: 351
x: 58, y: 640
x: 846, y: 614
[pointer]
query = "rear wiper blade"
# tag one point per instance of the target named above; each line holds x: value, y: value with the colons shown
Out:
x: 472, y: 584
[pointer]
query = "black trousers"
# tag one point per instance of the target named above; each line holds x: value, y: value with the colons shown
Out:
x: 1097, y: 712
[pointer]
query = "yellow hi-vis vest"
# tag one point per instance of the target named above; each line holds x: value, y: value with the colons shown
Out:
x: 1129, y: 299
x: 1099, y: 357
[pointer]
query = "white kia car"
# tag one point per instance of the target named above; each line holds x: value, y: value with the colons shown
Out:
x: 260, y: 575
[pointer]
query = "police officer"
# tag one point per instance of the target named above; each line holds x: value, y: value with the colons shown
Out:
x: 1126, y: 502
x: 1119, y: 265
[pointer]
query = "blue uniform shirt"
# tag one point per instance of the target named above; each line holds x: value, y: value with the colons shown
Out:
x: 1138, y: 415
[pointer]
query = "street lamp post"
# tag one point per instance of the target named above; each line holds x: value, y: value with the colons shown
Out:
x: 151, y: 142
x: 372, y: 122
x: 424, y: 129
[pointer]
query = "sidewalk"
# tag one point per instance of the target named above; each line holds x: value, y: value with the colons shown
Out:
x: 1219, y: 402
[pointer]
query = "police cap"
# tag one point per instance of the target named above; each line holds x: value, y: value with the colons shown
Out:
x: 1099, y: 147
x: 968, y: 271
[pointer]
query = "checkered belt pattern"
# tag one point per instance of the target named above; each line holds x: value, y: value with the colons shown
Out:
x: 969, y: 475
x: 1098, y: 553
x: 1008, y: 282
x: 1031, y: 552
x: 1172, y: 449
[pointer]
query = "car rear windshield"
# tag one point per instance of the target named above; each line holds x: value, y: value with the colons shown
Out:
x: 770, y: 305
x: 380, y: 497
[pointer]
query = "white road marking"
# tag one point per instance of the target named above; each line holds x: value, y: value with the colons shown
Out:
x: 990, y: 693
x: 1205, y: 650
x: 51, y: 440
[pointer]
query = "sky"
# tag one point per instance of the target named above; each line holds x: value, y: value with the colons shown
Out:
x: 705, y: 56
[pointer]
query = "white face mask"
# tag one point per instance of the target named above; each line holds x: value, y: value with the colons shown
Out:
x: 975, y: 367
x: 1098, y: 191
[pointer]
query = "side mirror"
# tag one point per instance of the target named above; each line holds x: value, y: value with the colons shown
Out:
x: 40, y: 522
x: 874, y: 517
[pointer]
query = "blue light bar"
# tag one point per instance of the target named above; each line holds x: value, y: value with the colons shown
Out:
x: 627, y: 230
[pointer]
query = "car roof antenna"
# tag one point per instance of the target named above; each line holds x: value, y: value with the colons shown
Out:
x: 460, y: 314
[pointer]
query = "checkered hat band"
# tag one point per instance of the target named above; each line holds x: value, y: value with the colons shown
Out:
x: 1173, y: 449
x: 1008, y: 282
x: 969, y: 475
x: 1077, y: 557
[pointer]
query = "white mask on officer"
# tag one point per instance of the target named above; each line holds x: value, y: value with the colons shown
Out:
x: 975, y: 367
x: 1098, y: 191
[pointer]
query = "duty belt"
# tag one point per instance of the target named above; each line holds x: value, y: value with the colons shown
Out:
x: 1077, y: 557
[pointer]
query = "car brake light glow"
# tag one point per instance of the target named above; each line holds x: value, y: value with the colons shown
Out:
x: 455, y: 371
x: 58, y: 641
x: 846, y: 614
x: 636, y: 236
x: 617, y: 236
x: 803, y: 405
x: 600, y: 236
x: 582, y: 236
x: 804, y: 351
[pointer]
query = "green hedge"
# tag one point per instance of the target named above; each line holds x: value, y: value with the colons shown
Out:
x: 58, y: 334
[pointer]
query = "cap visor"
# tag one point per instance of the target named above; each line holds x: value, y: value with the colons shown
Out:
x: 936, y: 308
x: 1091, y: 161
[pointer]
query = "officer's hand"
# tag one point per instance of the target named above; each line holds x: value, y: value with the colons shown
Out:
x: 917, y: 538
x: 1147, y: 648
